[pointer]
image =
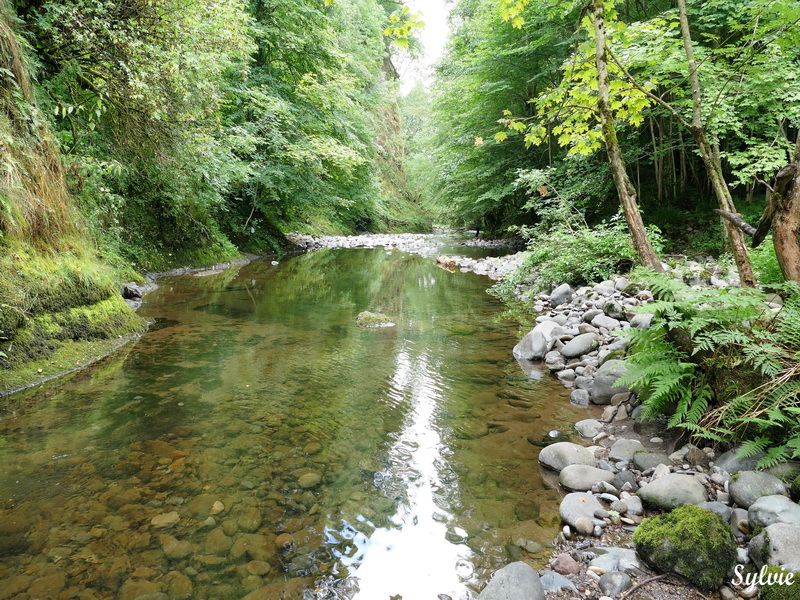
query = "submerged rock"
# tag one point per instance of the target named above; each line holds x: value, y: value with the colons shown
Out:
x: 371, y: 320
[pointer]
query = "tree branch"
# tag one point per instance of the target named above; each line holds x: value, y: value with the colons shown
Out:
x: 737, y: 220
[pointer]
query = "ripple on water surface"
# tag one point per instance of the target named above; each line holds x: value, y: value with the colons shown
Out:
x: 258, y: 444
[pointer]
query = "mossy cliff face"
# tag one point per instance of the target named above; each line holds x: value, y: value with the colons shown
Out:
x: 59, y: 300
x: 690, y: 541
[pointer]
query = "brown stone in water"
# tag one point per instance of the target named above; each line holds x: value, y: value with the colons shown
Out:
x: 312, y: 448
x: 284, y: 540
x: 165, y: 520
x: 14, y: 585
x: 250, y: 519
x: 217, y: 543
x: 229, y: 526
x: 290, y: 590
x: 258, y: 567
x: 257, y: 547
x: 174, y: 548
x: 159, y: 448
x: 179, y: 586
x: 133, y: 588
x: 217, y: 508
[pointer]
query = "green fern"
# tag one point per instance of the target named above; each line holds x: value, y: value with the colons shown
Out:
x: 697, y: 334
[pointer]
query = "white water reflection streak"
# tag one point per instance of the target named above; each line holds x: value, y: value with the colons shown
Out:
x: 416, y: 560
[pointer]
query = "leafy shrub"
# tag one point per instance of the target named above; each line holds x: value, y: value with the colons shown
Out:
x: 578, y: 255
x: 766, y: 264
x: 721, y: 365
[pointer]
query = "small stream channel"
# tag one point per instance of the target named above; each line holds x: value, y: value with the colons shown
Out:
x: 257, y: 443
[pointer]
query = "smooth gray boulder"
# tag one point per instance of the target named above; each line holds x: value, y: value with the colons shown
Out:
x: 731, y: 462
x: 672, y: 491
x: 602, y: 320
x: 773, y: 509
x: 577, y: 510
x: 748, y: 486
x: 536, y: 343
x: 562, y: 454
x: 553, y: 582
x: 561, y: 295
x: 642, y: 321
x: 778, y: 546
x: 532, y: 347
x: 517, y: 581
x: 615, y: 583
x: 580, y: 478
x: 605, y: 380
x: 605, y: 288
x: 625, y: 449
x: 580, y: 397
x: 723, y: 510
x: 588, y: 428
x: 616, y: 559
x: 614, y: 309
x: 580, y: 345
x: 589, y: 315
x: 650, y: 460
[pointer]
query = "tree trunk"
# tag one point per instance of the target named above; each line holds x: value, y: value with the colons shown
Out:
x: 782, y: 214
x: 786, y: 224
x: 712, y: 160
x: 625, y: 188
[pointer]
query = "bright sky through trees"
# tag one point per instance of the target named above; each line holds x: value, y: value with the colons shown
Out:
x: 433, y: 38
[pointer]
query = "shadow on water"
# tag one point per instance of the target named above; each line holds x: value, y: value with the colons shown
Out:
x: 257, y: 443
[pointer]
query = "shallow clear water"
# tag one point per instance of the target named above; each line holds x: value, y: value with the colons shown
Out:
x: 257, y: 443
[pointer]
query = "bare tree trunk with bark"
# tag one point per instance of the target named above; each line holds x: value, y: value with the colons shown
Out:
x: 711, y: 158
x: 625, y: 188
x: 782, y: 215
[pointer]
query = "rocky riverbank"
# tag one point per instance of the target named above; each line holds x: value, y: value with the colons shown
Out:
x: 631, y: 468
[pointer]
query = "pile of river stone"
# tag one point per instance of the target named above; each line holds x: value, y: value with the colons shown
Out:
x: 578, y: 337
x: 611, y: 484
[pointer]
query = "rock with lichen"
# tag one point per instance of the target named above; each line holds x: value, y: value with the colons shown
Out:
x: 689, y: 541
x: 372, y: 320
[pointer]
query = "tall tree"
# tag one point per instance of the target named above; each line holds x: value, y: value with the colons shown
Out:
x: 711, y: 157
x: 625, y: 188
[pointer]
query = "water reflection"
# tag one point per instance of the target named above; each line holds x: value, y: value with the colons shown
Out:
x: 422, y: 555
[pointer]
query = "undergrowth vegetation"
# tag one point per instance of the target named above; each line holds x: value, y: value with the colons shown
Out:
x: 722, y: 365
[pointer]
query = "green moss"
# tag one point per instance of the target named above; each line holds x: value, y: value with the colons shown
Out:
x: 690, y: 541
x: 794, y: 489
x: 370, y: 319
x: 53, y: 343
x: 780, y: 592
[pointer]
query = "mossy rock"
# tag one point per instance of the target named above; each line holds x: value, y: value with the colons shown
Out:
x: 689, y: 541
x: 371, y: 319
x: 794, y: 489
x: 775, y: 591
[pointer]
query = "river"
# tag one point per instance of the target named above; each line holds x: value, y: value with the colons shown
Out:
x: 257, y: 443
